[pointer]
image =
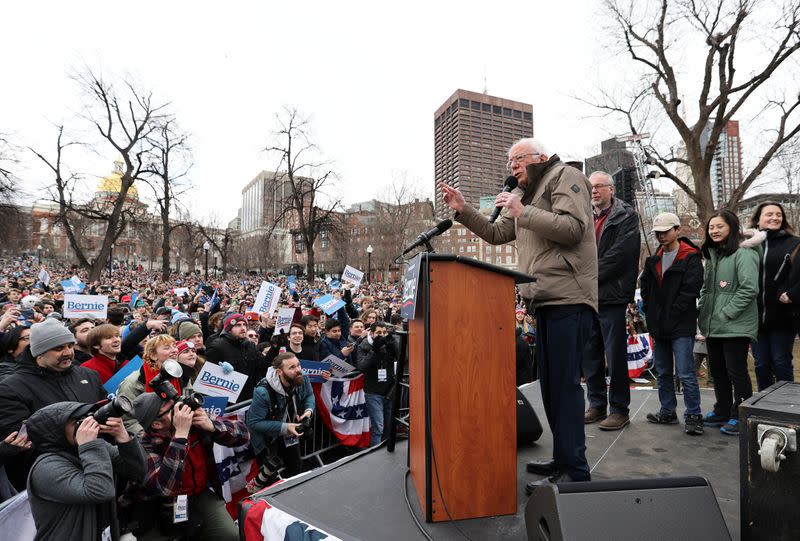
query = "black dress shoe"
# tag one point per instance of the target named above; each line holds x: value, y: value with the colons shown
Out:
x: 542, y: 467
x: 553, y: 479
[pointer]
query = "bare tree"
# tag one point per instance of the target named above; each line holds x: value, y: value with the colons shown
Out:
x: 167, y: 170
x: 310, y: 205
x: 787, y: 163
x: 654, y: 40
x: 8, y: 180
x: 124, y: 119
x: 399, y: 218
x: 222, y: 240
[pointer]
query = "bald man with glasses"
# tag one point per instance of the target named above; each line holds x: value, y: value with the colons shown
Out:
x: 616, y: 228
x: 549, y: 215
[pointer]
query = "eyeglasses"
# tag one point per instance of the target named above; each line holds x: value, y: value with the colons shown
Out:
x: 518, y: 158
x: 250, y: 335
x: 598, y: 186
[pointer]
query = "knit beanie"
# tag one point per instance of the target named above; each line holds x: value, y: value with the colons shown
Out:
x: 231, y: 320
x: 187, y: 330
x: 48, y: 335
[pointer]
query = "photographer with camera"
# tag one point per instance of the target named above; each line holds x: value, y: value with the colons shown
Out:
x: 376, y: 357
x: 174, y: 500
x: 44, y: 375
x: 283, y: 403
x: 71, y: 486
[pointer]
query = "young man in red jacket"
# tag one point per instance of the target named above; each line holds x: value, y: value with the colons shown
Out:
x: 105, y: 342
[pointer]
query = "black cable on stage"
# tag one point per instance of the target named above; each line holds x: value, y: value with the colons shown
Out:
x: 410, y: 510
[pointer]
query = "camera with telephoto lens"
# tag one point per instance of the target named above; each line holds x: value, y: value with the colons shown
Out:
x: 162, y: 386
x: 116, y: 407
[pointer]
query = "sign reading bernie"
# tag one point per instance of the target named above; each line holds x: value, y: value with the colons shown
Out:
x: 78, y: 306
x: 353, y: 276
x: 267, y: 298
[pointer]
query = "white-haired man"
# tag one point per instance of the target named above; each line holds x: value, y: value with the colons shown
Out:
x: 549, y: 214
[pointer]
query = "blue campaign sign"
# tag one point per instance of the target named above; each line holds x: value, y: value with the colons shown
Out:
x: 328, y: 304
x: 113, y: 383
x: 410, y: 283
x: 215, y: 405
x: 314, y: 370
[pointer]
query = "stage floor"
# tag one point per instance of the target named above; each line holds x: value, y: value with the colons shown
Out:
x: 361, y: 497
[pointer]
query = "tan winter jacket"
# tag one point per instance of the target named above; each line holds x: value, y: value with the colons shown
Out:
x: 555, y: 235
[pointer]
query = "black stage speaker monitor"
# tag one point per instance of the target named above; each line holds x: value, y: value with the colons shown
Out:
x: 770, y: 464
x: 529, y: 429
x: 672, y: 508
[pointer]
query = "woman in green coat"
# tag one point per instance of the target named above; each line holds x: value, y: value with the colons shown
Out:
x: 729, y: 314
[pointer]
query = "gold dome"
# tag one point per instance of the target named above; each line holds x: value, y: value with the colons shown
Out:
x: 113, y: 182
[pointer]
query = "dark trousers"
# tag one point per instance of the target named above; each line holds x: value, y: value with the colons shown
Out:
x: 292, y: 463
x: 772, y: 351
x: 608, y: 346
x: 562, y: 333
x: 727, y: 361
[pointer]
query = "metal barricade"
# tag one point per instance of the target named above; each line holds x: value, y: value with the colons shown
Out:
x: 321, y: 441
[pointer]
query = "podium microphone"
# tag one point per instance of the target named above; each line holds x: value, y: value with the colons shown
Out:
x: 425, y: 238
x: 510, y: 183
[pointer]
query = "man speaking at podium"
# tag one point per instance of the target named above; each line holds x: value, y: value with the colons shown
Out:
x: 549, y: 214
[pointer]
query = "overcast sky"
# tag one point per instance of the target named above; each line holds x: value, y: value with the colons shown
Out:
x: 369, y: 74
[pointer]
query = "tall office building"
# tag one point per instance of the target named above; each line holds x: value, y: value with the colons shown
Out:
x: 263, y: 199
x: 472, y: 135
x: 726, y: 167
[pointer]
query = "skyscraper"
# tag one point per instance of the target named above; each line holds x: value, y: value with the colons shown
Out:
x: 472, y: 134
x: 726, y: 167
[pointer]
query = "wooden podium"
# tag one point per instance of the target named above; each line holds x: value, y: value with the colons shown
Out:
x: 463, y: 443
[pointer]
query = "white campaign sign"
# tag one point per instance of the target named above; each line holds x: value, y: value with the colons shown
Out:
x: 180, y: 290
x: 213, y: 381
x: 267, y: 299
x: 284, y: 321
x: 77, y: 306
x: 352, y: 275
x: 339, y: 368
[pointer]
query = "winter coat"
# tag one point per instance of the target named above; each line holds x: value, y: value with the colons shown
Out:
x: 728, y: 306
x: 71, y: 490
x: 266, y: 420
x: 618, y: 254
x: 134, y: 385
x: 371, y: 359
x: 669, y: 302
x: 243, y: 355
x: 773, y: 278
x: 30, y: 388
x: 555, y: 235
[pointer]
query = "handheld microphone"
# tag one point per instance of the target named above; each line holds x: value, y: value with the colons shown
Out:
x: 424, y: 238
x: 510, y: 183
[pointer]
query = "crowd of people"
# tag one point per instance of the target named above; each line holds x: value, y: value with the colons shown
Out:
x: 86, y: 457
x: 140, y: 460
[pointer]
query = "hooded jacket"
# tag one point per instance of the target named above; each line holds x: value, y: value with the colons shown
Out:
x: 30, y: 388
x: 555, y: 235
x: 71, y: 489
x: 267, y: 420
x: 773, y: 279
x: 618, y: 254
x: 728, y: 307
x: 670, y: 298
